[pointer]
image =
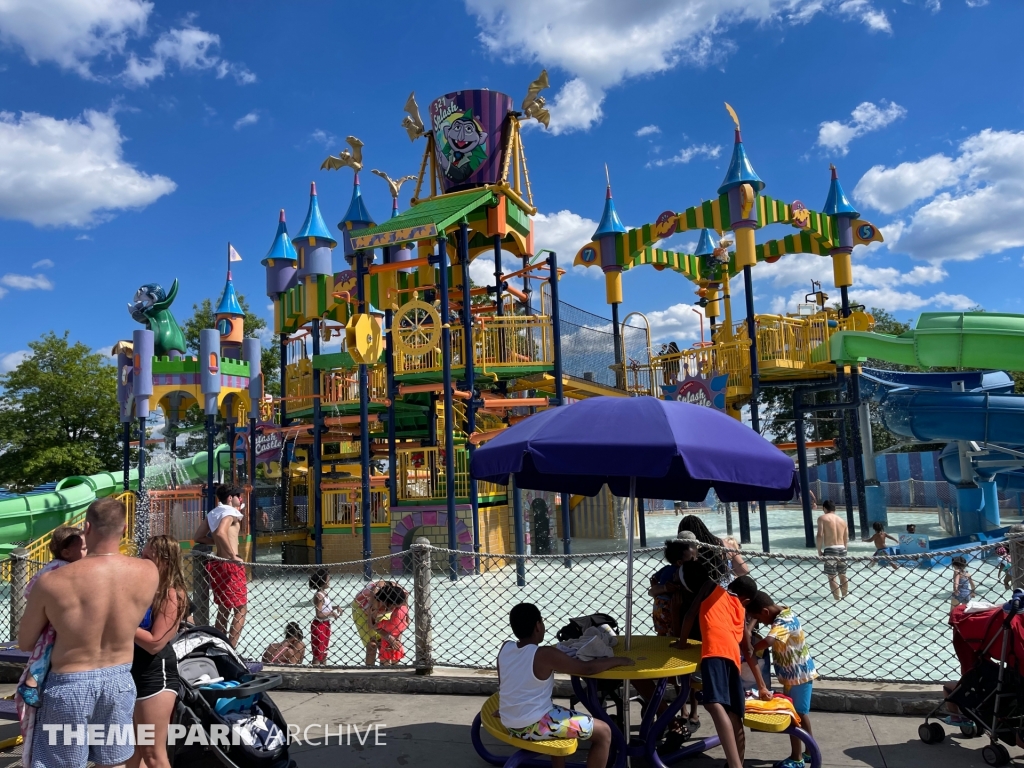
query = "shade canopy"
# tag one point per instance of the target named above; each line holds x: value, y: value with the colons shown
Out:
x: 675, y: 450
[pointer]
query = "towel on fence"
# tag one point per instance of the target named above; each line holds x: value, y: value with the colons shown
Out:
x: 777, y: 705
x: 595, y: 643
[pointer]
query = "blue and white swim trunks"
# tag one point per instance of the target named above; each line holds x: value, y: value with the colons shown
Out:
x: 102, y: 698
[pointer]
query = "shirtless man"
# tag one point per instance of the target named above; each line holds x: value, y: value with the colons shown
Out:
x: 230, y: 592
x: 95, y: 605
x: 832, y: 539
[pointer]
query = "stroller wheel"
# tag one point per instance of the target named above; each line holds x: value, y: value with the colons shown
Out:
x: 971, y: 731
x: 996, y: 754
x: 931, y: 733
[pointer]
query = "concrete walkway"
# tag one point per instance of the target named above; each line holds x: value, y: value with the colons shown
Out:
x: 433, y: 732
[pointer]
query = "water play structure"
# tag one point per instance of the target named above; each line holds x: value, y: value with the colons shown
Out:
x: 395, y: 365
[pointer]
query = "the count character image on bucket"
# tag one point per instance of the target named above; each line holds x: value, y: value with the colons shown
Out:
x: 467, y: 128
x: 463, y: 146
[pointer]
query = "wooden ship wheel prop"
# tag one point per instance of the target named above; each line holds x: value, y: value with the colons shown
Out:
x: 417, y: 328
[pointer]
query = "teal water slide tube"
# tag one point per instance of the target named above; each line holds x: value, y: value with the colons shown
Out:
x: 28, y: 517
x: 923, y: 406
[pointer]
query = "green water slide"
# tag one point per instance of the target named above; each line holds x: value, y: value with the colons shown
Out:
x: 941, y: 339
x: 28, y: 517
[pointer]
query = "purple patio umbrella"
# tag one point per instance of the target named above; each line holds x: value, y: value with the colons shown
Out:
x: 658, y: 449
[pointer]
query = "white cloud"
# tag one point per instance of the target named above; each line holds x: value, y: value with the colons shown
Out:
x: 71, y: 33
x: 576, y: 107
x: 865, y: 118
x: 69, y: 172
x: 648, y: 130
x: 873, y: 286
x: 891, y: 189
x: 82, y: 237
x: 43, y: 264
x: 250, y: 119
x: 687, y: 154
x: 321, y: 136
x: 27, y: 282
x: 190, y: 48
x: 12, y: 360
x: 894, y: 301
x: 933, y: 273
x: 565, y: 233
x: 481, y: 269
x: 678, y: 322
x: 976, y: 3
x: 981, y: 211
x: 601, y: 43
x: 863, y: 11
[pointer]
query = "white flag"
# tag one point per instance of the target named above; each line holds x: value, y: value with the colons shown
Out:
x: 233, y: 255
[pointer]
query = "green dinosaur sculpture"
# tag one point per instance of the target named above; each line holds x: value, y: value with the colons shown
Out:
x: 152, y: 308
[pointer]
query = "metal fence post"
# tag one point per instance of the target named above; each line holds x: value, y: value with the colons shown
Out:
x: 19, y: 580
x: 421, y: 602
x: 1016, y: 547
x: 200, y: 590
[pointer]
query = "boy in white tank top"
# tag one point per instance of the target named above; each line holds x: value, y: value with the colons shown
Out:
x: 526, y: 679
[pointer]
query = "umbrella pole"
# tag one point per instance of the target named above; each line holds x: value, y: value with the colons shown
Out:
x: 629, y: 608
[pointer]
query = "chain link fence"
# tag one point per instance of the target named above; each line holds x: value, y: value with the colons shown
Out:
x: 891, y: 626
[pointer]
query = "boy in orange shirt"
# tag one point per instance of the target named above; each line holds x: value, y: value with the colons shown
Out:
x: 724, y: 629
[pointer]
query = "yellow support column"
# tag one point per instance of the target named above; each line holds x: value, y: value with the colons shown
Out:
x: 727, y: 302
x: 613, y: 286
x: 713, y: 309
x: 842, y: 269
x: 426, y: 272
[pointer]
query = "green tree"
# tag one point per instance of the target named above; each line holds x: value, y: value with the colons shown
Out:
x: 58, y: 414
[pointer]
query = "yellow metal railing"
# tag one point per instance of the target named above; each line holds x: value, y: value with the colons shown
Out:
x: 509, y: 341
x: 421, y: 474
x: 270, y: 411
x: 298, y: 379
x: 344, y: 508
x: 341, y: 387
x: 39, y: 553
x: 432, y: 360
x: 179, y: 512
x: 794, y: 342
x: 729, y: 357
x: 513, y: 340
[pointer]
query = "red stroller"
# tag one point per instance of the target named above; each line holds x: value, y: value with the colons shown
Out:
x: 990, y: 648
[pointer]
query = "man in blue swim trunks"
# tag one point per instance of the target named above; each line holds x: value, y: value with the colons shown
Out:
x: 95, y: 608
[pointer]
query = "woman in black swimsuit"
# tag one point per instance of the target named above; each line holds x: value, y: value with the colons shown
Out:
x: 155, y: 667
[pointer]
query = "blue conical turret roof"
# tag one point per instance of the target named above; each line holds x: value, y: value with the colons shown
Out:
x: 229, y: 301
x: 610, y: 222
x: 706, y: 244
x: 282, y: 248
x: 740, y: 170
x: 837, y: 203
x: 357, y: 213
x: 314, y: 225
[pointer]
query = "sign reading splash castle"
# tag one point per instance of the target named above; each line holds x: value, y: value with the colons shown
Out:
x: 698, y: 389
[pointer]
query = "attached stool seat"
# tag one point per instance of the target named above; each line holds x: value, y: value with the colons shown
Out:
x: 527, y: 750
x: 780, y: 722
x: 767, y: 722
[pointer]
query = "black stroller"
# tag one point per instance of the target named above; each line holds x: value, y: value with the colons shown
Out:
x: 243, y: 728
x: 990, y: 647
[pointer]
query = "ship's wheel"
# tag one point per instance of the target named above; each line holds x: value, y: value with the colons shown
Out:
x: 416, y: 328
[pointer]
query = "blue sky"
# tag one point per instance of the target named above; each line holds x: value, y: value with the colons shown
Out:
x: 138, y: 138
